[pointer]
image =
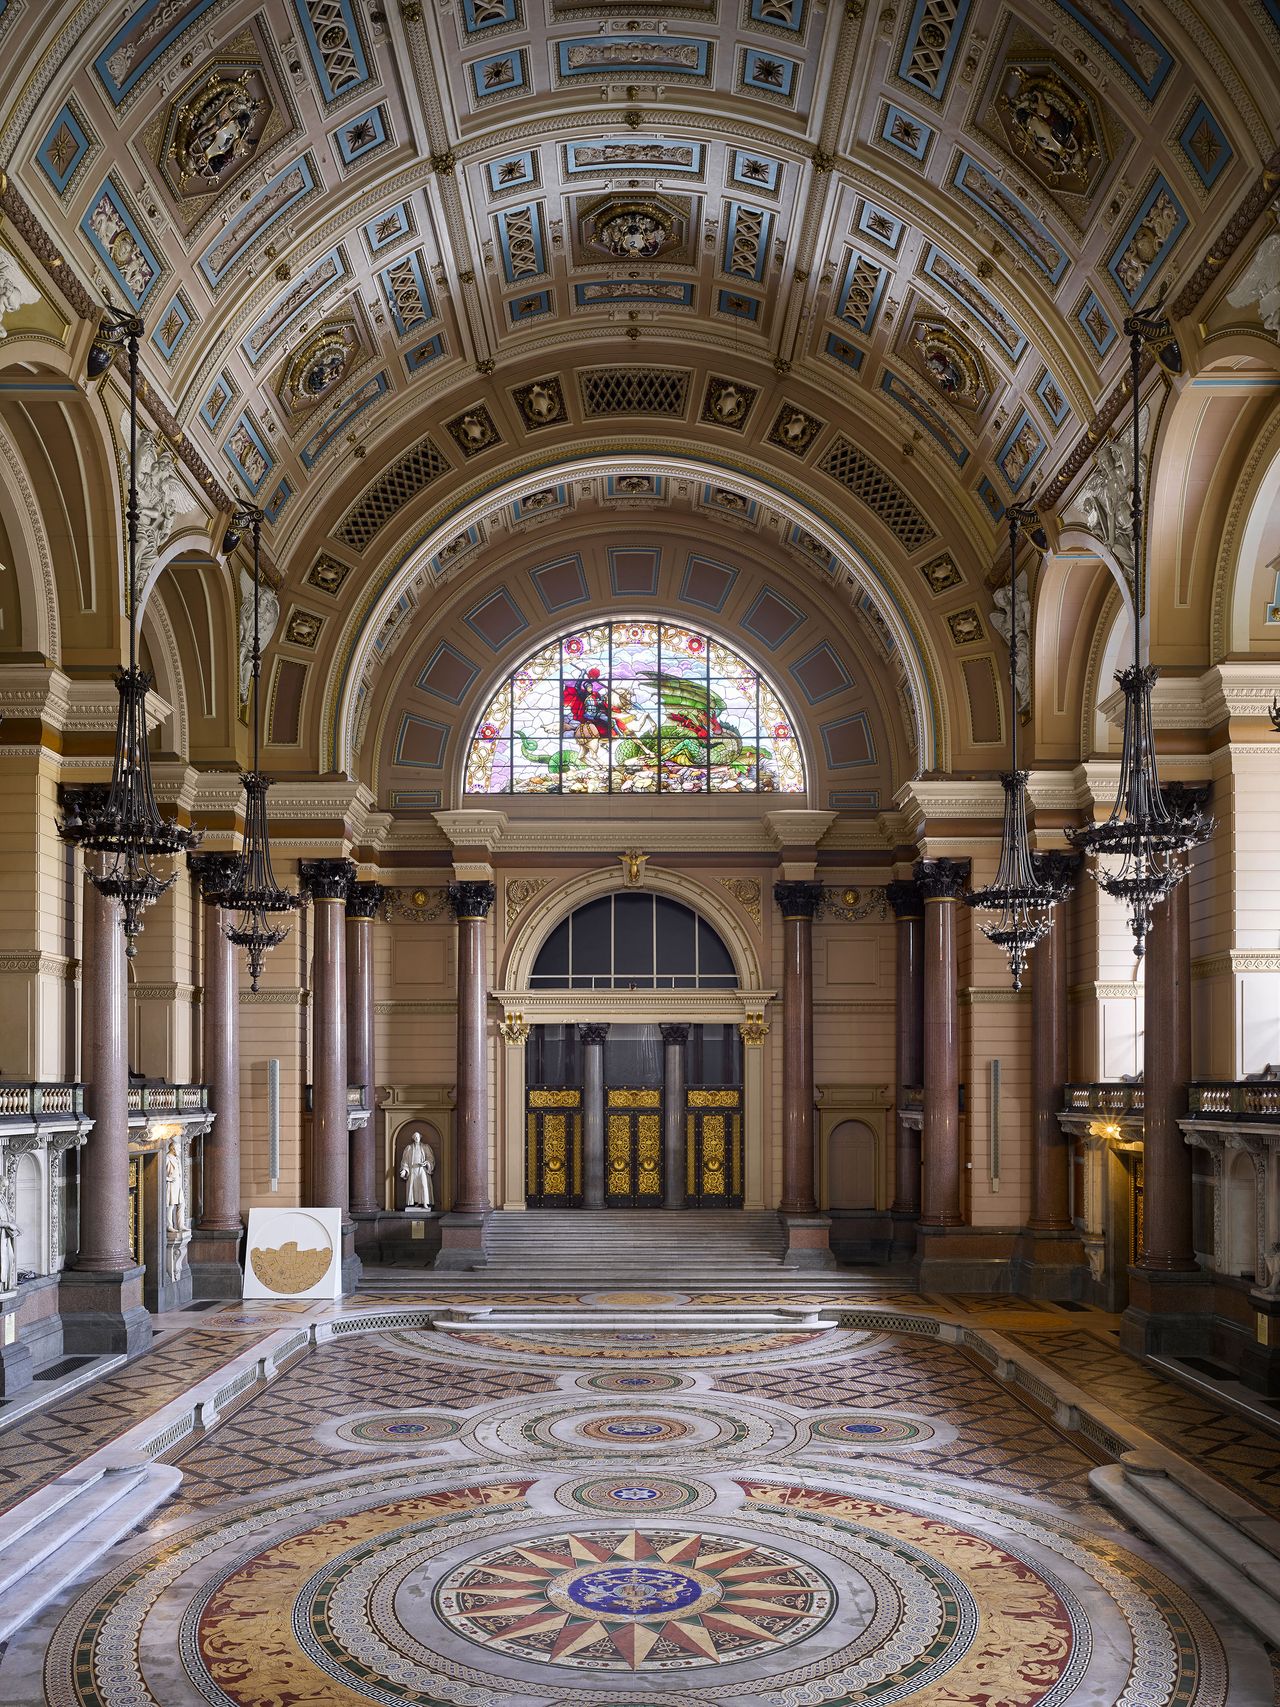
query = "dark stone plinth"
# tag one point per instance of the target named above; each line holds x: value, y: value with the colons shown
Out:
x: 406, y: 1236
x: 965, y: 1259
x: 16, y: 1364
x: 1170, y: 1313
x: 1050, y: 1265
x: 352, y: 1267
x: 903, y: 1231
x: 103, y: 1312
x: 461, y: 1241
x: 862, y: 1235
x: 214, y: 1259
x: 808, y: 1241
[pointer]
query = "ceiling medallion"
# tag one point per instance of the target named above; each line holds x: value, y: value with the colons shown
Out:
x: 634, y: 234
x: 322, y: 363
x: 727, y: 402
x: 217, y: 128
x: 947, y: 362
x: 635, y: 229
x: 1049, y: 126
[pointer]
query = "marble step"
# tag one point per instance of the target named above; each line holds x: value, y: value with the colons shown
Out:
x: 596, y: 1278
x: 46, y: 1543
x: 1222, y: 1540
x: 530, y: 1319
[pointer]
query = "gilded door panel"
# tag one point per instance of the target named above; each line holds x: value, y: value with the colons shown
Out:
x: 633, y: 1149
x: 713, y: 1148
x: 135, y: 1207
x: 553, y: 1148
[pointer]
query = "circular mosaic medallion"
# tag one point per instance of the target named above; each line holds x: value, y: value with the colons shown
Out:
x: 869, y: 1428
x: 635, y: 1494
x: 634, y: 1430
x: 634, y: 1381
x: 627, y: 1600
x: 635, y: 1300
x: 398, y: 1428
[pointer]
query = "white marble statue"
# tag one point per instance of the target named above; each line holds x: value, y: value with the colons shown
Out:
x: 162, y: 496
x: 1259, y: 284
x: 1000, y: 622
x: 8, y: 1252
x: 175, y: 1190
x: 268, y: 618
x: 417, y: 1165
x: 16, y: 289
x: 1271, y: 1278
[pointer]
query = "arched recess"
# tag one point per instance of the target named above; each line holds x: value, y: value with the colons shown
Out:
x: 1072, y: 592
x: 28, y: 558
x: 1247, y: 585
x: 162, y: 657
x: 358, y: 654
x: 852, y: 1166
x: 1111, y: 650
x: 1240, y: 1213
x: 523, y: 1005
x: 196, y: 597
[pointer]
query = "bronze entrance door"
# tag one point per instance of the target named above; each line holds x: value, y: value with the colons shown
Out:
x: 553, y: 1147
x: 713, y: 1148
x: 633, y: 1149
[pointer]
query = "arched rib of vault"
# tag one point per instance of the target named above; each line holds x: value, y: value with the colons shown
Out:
x: 1245, y: 587
x: 33, y: 563
x: 350, y: 668
x: 163, y: 657
x: 1072, y: 592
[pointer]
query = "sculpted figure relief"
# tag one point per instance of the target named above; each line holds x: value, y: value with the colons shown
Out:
x: 417, y: 1164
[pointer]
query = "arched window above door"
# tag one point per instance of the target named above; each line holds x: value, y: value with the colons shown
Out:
x: 635, y: 707
x: 632, y: 941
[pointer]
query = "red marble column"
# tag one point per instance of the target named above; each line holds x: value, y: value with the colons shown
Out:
x: 942, y: 882
x: 908, y: 908
x: 215, y: 1239
x: 1167, y: 1242
x: 327, y: 882
x: 471, y: 903
x: 798, y: 903
x: 1050, y: 1146
x: 362, y: 907
x: 104, y: 1160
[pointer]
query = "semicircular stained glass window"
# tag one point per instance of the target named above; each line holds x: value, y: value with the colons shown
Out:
x: 635, y: 707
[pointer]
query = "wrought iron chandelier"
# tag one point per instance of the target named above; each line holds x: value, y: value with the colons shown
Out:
x: 253, y: 892
x: 128, y: 830
x: 1019, y: 904
x: 1140, y: 851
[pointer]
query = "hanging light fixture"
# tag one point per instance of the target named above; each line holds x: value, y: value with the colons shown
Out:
x: 253, y: 892
x: 1140, y: 851
x: 128, y: 830
x: 1019, y: 904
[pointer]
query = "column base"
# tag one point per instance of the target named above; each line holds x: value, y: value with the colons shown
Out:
x: 102, y: 1311
x: 861, y: 1236
x: 410, y: 1236
x: 352, y: 1267
x: 904, y: 1232
x: 965, y: 1259
x: 1050, y: 1264
x: 162, y: 1292
x: 461, y: 1241
x: 1260, y: 1358
x: 213, y: 1256
x: 1170, y: 1313
x: 808, y: 1241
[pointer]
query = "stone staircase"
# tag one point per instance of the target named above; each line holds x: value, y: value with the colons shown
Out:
x: 56, y: 1534
x: 680, y: 1251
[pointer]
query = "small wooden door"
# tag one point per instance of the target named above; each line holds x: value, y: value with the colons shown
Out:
x: 633, y: 1149
x: 553, y: 1148
x: 713, y: 1148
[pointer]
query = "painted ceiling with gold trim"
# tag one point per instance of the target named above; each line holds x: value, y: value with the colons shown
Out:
x: 462, y: 290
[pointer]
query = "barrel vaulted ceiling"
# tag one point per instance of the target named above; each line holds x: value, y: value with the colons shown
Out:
x: 416, y: 275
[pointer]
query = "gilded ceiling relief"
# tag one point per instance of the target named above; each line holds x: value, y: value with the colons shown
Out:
x: 794, y: 429
x: 949, y: 363
x: 635, y: 230
x: 319, y: 366
x: 328, y: 574
x: 473, y: 430
x: 541, y: 403
x: 727, y: 402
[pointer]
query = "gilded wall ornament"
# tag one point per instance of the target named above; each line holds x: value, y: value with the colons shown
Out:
x: 519, y: 892
x: 633, y: 864
x: 754, y: 1029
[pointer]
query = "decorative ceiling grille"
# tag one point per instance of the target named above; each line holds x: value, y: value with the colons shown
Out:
x: 408, y: 476
x: 634, y: 391
x: 879, y: 491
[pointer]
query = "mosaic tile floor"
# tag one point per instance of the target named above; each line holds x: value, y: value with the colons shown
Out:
x: 833, y: 1517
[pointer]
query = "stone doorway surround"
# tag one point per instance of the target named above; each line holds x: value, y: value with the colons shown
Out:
x: 745, y: 1006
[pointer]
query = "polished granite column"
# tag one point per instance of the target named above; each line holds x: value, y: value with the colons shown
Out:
x: 1050, y: 1146
x: 462, y: 1230
x: 674, y: 1164
x: 942, y: 882
x: 328, y: 882
x: 592, y: 1039
x: 808, y: 1233
x: 363, y: 902
x: 908, y: 909
x: 1170, y: 1301
x: 214, y: 1252
x: 101, y: 1293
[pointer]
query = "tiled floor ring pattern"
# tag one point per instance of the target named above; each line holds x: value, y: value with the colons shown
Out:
x: 366, y: 1585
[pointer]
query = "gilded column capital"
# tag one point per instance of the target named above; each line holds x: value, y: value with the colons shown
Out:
x: 942, y: 879
x: 905, y: 899
x: 326, y: 879
x: 472, y: 900
x: 214, y: 872
x: 363, y: 900
x: 798, y: 900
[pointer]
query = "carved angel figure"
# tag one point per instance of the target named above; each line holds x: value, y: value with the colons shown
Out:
x: 1000, y: 622
x: 1104, y: 503
x: 16, y: 289
x: 162, y: 494
x: 268, y: 619
x: 1259, y: 284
